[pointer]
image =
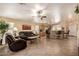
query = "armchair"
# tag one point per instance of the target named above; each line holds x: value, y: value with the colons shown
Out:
x: 15, y: 45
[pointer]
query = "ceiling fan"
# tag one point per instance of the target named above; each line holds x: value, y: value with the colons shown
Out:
x: 22, y: 3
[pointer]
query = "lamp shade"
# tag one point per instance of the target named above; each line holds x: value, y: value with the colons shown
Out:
x: 15, y: 29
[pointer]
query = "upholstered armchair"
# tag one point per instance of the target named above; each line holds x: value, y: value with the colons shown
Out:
x: 15, y: 45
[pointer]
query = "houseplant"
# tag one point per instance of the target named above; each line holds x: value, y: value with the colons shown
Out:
x: 77, y: 24
x: 77, y: 10
x: 3, y: 27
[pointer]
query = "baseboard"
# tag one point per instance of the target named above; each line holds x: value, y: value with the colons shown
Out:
x: 72, y: 36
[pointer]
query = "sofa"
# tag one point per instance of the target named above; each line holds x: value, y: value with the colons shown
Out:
x: 27, y: 35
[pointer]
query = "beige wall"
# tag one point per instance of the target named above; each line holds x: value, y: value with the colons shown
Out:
x: 18, y: 23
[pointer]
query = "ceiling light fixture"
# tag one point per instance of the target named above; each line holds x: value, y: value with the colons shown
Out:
x: 38, y: 11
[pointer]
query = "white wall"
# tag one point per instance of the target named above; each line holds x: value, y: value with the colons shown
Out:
x: 73, y: 30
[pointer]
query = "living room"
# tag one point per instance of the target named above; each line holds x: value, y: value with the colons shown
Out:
x: 39, y: 29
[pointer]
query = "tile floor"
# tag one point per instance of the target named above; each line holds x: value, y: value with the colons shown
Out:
x: 46, y: 47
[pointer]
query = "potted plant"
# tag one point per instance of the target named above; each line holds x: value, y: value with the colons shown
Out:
x: 77, y: 10
x: 77, y: 24
x: 3, y: 27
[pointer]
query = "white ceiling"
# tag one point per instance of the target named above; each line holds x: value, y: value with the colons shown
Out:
x: 24, y: 11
